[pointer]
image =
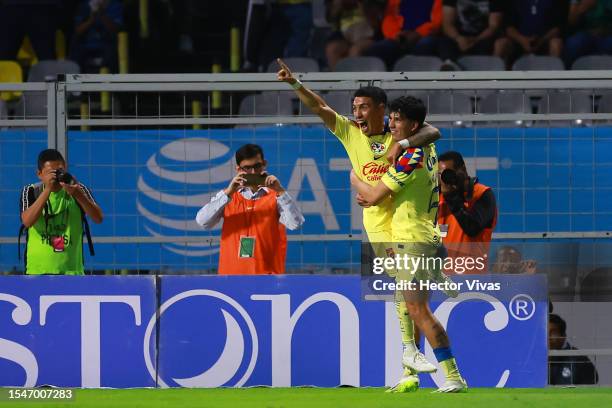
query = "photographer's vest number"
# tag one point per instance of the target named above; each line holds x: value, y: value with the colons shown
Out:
x: 253, y: 241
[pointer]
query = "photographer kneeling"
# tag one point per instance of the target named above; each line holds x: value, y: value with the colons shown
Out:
x: 467, y: 213
x: 53, y: 212
x: 255, y: 209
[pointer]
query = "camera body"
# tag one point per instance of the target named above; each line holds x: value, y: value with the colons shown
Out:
x: 452, y: 178
x: 62, y: 176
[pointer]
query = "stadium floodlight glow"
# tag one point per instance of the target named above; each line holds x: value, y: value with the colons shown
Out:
x: 578, y: 121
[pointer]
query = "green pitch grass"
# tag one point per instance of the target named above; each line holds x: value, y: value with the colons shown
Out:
x: 336, y: 398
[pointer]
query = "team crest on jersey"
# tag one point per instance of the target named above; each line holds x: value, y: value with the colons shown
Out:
x: 377, y: 147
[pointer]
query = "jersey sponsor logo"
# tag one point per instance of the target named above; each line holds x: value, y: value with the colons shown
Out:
x: 373, y: 171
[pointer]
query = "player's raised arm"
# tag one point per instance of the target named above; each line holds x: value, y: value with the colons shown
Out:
x: 314, y: 102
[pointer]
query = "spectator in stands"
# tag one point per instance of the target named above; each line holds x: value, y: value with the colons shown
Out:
x: 95, y: 38
x: 354, y: 31
x: 471, y: 27
x: 509, y: 260
x: 37, y: 19
x: 467, y: 212
x: 255, y: 209
x: 536, y: 26
x: 591, y: 24
x: 566, y: 370
x: 54, y: 211
x: 280, y: 28
x: 408, y: 27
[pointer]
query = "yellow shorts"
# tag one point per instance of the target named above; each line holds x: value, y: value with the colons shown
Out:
x: 418, y: 261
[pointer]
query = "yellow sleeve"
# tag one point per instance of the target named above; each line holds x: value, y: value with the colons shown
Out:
x: 344, y: 128
x: 398, y: 176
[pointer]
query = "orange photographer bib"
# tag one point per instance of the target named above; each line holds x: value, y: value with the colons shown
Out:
x: 253, y: 241
x: 460, y: 244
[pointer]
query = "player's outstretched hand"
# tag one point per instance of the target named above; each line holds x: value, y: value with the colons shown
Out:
x: 284, y: 74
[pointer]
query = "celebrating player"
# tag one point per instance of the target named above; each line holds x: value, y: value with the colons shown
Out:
x: 367, y: 143
x: 413, y: 184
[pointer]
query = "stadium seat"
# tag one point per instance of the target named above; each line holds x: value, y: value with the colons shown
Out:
x: 296, y: 65
x: 597, y: 286
x: 447, y: 102
x: 34, y: 104
x: 417, y: 63
x: 565, y: 101
x: 481, y: 63
x: 605, y: 103
x: 357, y: 64
x: 538, y: 63
x: 49, y: 69
x: 10, y: 71
x: 340, y: 101
x: 593, y: 62
x: 267, y: 104
x: 506, y: 101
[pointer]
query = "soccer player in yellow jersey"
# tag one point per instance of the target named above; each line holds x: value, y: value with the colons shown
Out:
x: 367, y: 145
x: 413, y: 185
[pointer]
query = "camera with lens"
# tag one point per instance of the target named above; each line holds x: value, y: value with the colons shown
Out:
x: 63, y: 176
x: 450, y: 177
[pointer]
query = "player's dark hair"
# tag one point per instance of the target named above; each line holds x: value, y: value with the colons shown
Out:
x: 410, y: 107
x: 557, y: 320
x: 49, y: 155
x: 453, y: 156
x: 248, y: 151
x: 378, y: 95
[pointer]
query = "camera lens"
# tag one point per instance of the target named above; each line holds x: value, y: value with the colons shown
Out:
x: 449, y: 176
x: 63, y: 177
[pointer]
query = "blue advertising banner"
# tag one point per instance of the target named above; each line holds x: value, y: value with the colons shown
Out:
x: 258, y: 330
x: 152, y: 183
x: 75, y: 331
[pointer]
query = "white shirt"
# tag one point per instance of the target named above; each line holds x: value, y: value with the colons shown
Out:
x: 290, y: 215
